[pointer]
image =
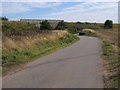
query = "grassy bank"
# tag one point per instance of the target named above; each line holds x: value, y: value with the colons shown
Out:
x: 11, y: 60
x: 110, y: 57
x: 111, y: 64
x: 14, y: 41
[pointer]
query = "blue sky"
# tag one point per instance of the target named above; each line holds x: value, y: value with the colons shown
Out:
x: 68, y: 11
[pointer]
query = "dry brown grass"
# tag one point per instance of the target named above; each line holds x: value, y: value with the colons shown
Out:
x: 109, y: 35
x: 19, y: 40
x: 90, y: 30
x: 111, y: 56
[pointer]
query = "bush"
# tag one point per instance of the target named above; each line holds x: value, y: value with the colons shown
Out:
x: 45, y: 25
x: 60, y: 26
x: 108, y: 24
x: 80, y: 23
x: 72, y: 30
x: 87, y: 23
x: 3, y: 18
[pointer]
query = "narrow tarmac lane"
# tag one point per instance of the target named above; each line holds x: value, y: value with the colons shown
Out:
x: 76, y: 66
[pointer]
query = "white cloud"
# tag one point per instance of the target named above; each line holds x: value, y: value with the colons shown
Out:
x: 93, y: 5
x: 0, y: 9
x: 89, y: 11
x: 98, y: 0
x: 59, y: 0
x: 42, y: 4
x: 13, y: 7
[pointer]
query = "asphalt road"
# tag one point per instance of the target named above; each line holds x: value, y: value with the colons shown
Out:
x: 76, y: 66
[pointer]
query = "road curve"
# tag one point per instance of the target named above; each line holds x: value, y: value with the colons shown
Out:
x: 76, y: 66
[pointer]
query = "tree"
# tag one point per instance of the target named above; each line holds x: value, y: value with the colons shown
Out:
x: 79, y: 22
x: 60, y: 26
x: 45, y: 25
x: 87, y: 23
x: 4, y: 18
x: 108, y: 24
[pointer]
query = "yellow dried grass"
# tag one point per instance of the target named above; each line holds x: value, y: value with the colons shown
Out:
x: 91, y: 30
x: 10, y: 45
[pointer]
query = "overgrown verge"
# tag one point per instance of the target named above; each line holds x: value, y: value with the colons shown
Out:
x: 111, y: 56
x: 88, y: 32
x: 111, y: 65
x: 11, y: 60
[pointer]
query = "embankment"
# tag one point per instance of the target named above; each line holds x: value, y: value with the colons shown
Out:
x: 110, y: 57
x: 20, y: 47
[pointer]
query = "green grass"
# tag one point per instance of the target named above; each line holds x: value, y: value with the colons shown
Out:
x: 17, y: 26
x: 9, y: 61
x: 111, y: 56
x: 89, y: 34
x: 109, y: 52
x: 77, y: 27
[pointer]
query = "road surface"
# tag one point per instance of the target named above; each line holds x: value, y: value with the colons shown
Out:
x: 76, y: 66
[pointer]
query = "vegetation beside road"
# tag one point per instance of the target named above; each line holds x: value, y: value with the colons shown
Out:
x: 44, y: 43
x: 111, y: 57
x: 111, y: 64
x: 88, y: 32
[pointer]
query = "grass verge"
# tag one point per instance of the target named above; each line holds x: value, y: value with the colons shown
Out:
x: 111, y: 65
x: 89, y: 34
x: 10, y: 61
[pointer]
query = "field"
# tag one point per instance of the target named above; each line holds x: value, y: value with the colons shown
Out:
x: 20, y: 47
x: 77, y: 27
x: 17, y: 26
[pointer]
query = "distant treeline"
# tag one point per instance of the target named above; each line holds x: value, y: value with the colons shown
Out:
x: 72, y: 27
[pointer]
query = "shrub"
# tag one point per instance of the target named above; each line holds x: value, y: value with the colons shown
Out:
x: 45, y: 25
x: 72, y: 30
x: 87, y: 23
x: 60, y: 26
x: 79, y: 23
x: 3, y: 18
x: 108, y: 24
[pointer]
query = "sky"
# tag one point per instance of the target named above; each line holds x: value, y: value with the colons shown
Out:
x: 69, y: 11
